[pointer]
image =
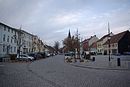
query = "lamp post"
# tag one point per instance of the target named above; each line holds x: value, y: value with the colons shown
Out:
x: 78, y: 43
x: 109, y: 46
x: 81, y: 49
x: 109, y: 37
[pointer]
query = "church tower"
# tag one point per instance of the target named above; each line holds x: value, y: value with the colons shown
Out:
x: 69, y: 34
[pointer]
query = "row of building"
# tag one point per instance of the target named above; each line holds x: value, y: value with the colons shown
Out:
x: 14, y: 41
x: 113, y: 43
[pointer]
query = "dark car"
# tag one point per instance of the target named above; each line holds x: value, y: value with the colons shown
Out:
x: 37, y: 55
x: 43, y: 55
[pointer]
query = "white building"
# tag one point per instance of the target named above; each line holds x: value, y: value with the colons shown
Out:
x: 100, y: 42
x: 92, y: 40
x: 26, y: 42
x: 86, y: 44
x: 8, y: 43
x: 13, y: 41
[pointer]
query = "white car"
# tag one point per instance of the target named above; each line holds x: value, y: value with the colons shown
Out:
x: 25, y: 57
x: 68, y: 56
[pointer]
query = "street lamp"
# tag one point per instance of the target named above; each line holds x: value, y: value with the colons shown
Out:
x: 81, y: 48
x: 109, y: 37
x: 109, y: 46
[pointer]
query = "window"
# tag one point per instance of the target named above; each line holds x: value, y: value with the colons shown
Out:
x: 8, y: 39
x: 29, y: 44
x: 11, y: 40
x: 12, y: 30
x: 4, y: 37
x: 15, y: 40
x: 14, y: 49
x: 11, y: 49
x: 15, y: 32
x: 4, y: 28
x: 8, y: 30
x: 3, y: 48
x: 115, y: 44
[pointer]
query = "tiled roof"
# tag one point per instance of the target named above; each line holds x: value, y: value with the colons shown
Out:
x: 94, y: 45
x: 116, y: 38
x: 87, y: 40
x: 103, y: 37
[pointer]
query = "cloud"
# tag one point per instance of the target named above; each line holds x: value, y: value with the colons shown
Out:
x: 52, y: 19
x: 66, y: 19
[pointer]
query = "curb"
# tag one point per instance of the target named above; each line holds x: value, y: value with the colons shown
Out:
x: 97, y: 68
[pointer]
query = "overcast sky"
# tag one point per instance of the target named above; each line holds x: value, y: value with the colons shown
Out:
x: 52, y: 19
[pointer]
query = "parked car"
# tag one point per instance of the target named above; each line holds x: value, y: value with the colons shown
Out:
x: 36, y: 55
x: 32, y: 55
x: 42, y: 54
x: 25, y: 57
x: 68, y: 56
x: 48, y: 54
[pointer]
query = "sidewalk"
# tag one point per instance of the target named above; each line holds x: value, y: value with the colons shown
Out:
x: 102, y: 62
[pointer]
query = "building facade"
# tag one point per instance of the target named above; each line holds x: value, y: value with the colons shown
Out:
x: 93, y: 48
x: 37, y: 44
x: 88, y: 42
x: 119, y: 43
x: 100, y: 42
x: 26, y: 42
x: 8, y: 43
x: 16, y: 41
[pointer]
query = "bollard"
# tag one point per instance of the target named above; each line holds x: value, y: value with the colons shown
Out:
x: 93, y: 58
x: 118, y: 62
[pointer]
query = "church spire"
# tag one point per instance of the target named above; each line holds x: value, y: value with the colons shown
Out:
x: 108, y: 28
x: 69, y: 35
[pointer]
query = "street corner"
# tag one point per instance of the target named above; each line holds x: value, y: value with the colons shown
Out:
x: 101, y: 63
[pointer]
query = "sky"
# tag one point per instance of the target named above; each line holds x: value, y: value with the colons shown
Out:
x: 51, y: 20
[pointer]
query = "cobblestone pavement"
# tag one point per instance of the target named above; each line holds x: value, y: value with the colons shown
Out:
x: 17, y: 75
x: 65, y: 75
x: 54, y: 72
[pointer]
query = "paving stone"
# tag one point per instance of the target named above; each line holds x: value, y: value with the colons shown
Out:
x: 54, y: 72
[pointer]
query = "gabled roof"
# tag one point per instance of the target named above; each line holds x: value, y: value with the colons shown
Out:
x: 15, y: 29
x: 116, y: 38
x: 8, y: 26
x: 94, y: 45
x: 87, y: 40
x: 103, y: 37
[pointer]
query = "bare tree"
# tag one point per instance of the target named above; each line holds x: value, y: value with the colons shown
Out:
x: 72, y: 43
x: 56, y: 46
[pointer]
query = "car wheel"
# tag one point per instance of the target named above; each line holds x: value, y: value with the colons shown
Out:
x: 30, y: 59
